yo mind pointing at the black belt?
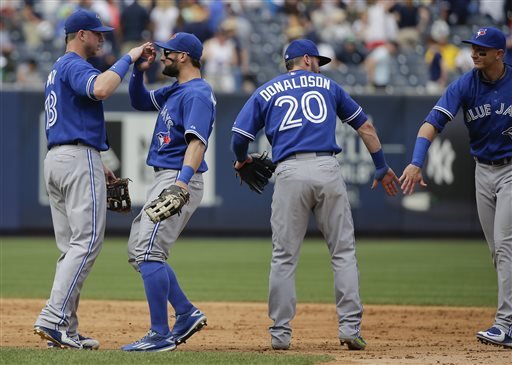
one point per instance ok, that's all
(294, 156)
(159, 168)
(500, 162)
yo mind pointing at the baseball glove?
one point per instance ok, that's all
(256, 173)
(118, 196)
(169, 202)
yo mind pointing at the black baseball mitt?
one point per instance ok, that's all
(169, 202)
(256, 173)
(118, 196)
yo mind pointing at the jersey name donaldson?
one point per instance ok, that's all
(295, 83)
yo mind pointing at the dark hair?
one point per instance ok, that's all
(195, 63)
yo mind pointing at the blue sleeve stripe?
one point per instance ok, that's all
(243, 133)
(191, 131)
(153, 99)
(89, 88)
(353, 116)
(444, 111)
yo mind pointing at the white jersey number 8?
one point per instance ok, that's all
(305, 103)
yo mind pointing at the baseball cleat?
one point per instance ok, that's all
(87, 343)
(187, 324)
(280, 346)
(60, 339)
(357, 343)
(496, 337)
(152, 342)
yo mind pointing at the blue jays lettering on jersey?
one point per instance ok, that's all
(487, 111)
(73, 114)
(295, 120)
(187, 108)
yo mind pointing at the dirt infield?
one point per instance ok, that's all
(395, 334)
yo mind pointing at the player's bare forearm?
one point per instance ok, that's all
(427, 131)
(369, 136)
(193, 157)
(107, 82)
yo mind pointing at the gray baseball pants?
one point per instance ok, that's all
(75, 182)
(151, 242)
(312, 183)
(494, 203)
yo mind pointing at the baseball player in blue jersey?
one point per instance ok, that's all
(485, 96)
(186, 112)
(298, 111)
(74, 173)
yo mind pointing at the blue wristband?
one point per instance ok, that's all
(186, 174)
(122, 66)
(420, 151)
(381, 167)
(378, 159)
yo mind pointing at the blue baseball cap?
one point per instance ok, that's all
(184, 42)
(489, 37)
(85, 20)
(301, 47)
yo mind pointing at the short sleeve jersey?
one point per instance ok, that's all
(298, 110)
(73, 114)
(487, 109)
(183, 110)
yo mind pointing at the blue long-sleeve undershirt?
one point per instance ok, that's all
(139, 96)
(240, 146)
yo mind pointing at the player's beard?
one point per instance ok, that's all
(171, 70)
(93, 50)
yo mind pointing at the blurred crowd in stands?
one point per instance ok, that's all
(377, 45)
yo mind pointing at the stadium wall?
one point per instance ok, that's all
(446, 206)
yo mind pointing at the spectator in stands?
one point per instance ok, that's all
(407, 15)
(194, 18)
(331, 24)
(28, 74)
(438, 73)
(440, 33)
(135, 25)
(378, 24)
(7, 63)
(163, 18)
(508, 55)
(220, 58)
(379, 64)
(351, 52)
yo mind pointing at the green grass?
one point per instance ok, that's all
(440, 272)
(56, 357)
(437, 272)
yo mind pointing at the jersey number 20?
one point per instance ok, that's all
(290, 119)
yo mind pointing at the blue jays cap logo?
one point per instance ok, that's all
(164, 139)
(481, 32)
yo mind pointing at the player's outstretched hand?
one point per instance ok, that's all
(389, 182)
(136, 53)
(410, 177)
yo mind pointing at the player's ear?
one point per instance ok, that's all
(307, 60)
